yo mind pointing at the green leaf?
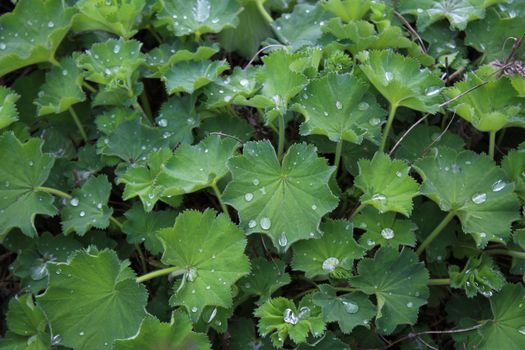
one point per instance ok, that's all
(401, 80)
(89, 207)
(183, 17)
(32, 32)
(114, 16)
(334, 253)
(339, 107)
(153, 335)
(189, 76)
(384, 229)
(266, 277)
(474, 188)
(108, 122)
(284, 201)
(513, 165)
(479, 275)
(142, 227)
(89, 295)
(8, 110)
(193, 168)
(26, 325)
(223, 91)
(142, 181)
(177, 118)
(347, 10)
(210, 250)
(490, 107)
(399, 282)
(23, 168)
(282, 319)
(62, 89)
(348, 310)
(386, 184)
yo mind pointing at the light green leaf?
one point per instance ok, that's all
(62, 89)
(384, 229)
(282, 319)
(23, 167)
(32, 32)
(266, 277)
(8, 110)
(108, 122)
(142, 181)
(339, 107)
(88, 296)
(193, 168)
(402, 81)
(89, 207)
(399, 282)
(115, 16)
(386, 184)
(284, 201)
(184, 17)
(154, 335)
(189, 76)
(177, 118)
(223, 91)
(347, 10)
(513, 165)
(479, 275)
(474, 188)
(334, 253)
(348, 310)
(211, 251)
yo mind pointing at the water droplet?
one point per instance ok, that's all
(31, 163)
(351, 308)
(74, 202)
(378, 197)
(56, 339)
(522, 330)
(330, 264)
(389, 76)
(194, 309)
(252, 223)
(3, 46)
(82, 213)
(39, 272)
(191, 274)
(227, 98)
(433, 90)
(483, 235)
(81, 333)
(363, 106)
(479, 197)
(289, 317)
(255, 182)
(244, 82)
(387, 233)
(116, 49)
(338, 105)
(213, 314)
(410, 304)
(248, 197)
(498, 185)
(303, 311)
(374, 121)
(215, 20)
(265, 223)
(314, 207)
(162, 123)
(50, 24)
(283, 241)
(201, 10)
(370, 242)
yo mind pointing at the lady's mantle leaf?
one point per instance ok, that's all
(349, 310)
(193, 168)
(211, 251)
(88, 296)
(88, 207)
(62, 89)
(189, 76)
(185, 17)
(338, 106)
(285, 201)
(479, 275)
(223, 91)
(266, 277)
(281, 318)
(154, 335)
(333, 253)
(474, 188)
(401, 80)
(8, 110)
(347, 10)
(115, 16)
(32, 32)
(490, 107)
(513, 165)
(384, 229)
(386, 184)
(399, 282)
(23, 167)
(177, 118)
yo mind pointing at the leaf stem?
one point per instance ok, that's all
(391, 115)
(357, 210)
(219, 198)
(513, 253)
(78, 123)
(142, 259)
(137, 107)
(439, 281)
(116, 222)
(436, 232)
(346, 289)
(492, 143)
(53, 191)
(88, 86)
(338, 150)
(146, 105)
(263, 12)
(175, 271)
(280, 146)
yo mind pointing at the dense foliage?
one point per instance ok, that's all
(258, 174)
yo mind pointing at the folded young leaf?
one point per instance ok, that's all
(479, 275)
(513, 165)
(8, 110)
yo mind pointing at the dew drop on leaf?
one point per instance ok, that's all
(255, 182)
(410, 304)
(283, 241)
(498, 185)
(339, 105)
(82, 213)
(252, 223)
(363, 106)
(479, 197)
(213, 314)
(56, 339)
(289, 317)
(74, 202)
(350, 307)
(194, 309)
(522, 330)
(387, 233)
(303, 311)
(248, 197)
(389, 76)
(266, 223)
(330, 264)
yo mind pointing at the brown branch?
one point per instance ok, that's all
(411, 30)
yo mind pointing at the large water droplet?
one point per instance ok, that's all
(289, 317)
(498, 185)
(374, 121)
(283, 241)
(74, 202)
(82, 213)
(304, 311)
(338, 105)
(330, 264)
(522, 330)
(410, 304)
(378, 197)
(479, 197)
(162, 123)
(351, 308)
(3, 46)
(248, 197)
(363, 106)
(191, 274)
(39, 272)
(194, 309)
(433, 90)
(266, 223)
(387, 233)
(213, 314)
(56, 339)
(244, 82)
(389, 76)
(252, 223)
(116, 49)
(255, 182)
(50, 24)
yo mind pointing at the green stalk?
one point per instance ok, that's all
(145, 104)
(439, 282)
(116, 222)
(338, 150)
(391, 115)
(513, 253)
(53, 191)
(492, 143)
(219, 198)
(357, 210)
(280, 147)
(173, 270)
(263, 12)
(436, 232)
(142, 259)
(79, 124)
(89, 87)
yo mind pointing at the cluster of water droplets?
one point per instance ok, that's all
(330, 264)
(291, 318)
